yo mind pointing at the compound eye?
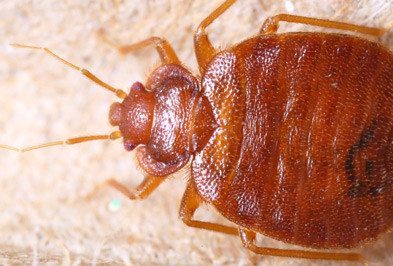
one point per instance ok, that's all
(128, 145)
(137, 86)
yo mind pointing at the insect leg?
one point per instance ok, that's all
(142, 191)
(204, 50)
(189, 204)
(248, 240)
(271, 24)
(164, 49)
(119, 93)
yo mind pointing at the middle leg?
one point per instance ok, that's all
(189, 204)
(204, 50)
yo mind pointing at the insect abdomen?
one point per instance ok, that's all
(313, 165)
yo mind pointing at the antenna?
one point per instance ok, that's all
(112, 136)
(119, 93)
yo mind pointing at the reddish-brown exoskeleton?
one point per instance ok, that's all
(289, 135)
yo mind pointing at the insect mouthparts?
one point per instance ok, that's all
(115, 114)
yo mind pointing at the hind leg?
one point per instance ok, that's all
(271, 24)
(248, 240)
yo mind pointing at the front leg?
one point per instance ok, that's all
(142, 191)
(190, 203)
(164, 49)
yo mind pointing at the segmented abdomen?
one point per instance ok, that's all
(309, 143)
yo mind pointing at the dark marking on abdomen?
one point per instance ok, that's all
(358, 187)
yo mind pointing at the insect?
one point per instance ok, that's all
(288, 135)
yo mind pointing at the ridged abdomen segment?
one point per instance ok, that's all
(216, 163)
(315, 165)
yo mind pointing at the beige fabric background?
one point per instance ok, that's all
(43, 216)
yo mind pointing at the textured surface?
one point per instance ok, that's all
(303, 152)
(43, 215)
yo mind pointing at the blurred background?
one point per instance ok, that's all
(44, 217)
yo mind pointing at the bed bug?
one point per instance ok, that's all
(288, 135)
